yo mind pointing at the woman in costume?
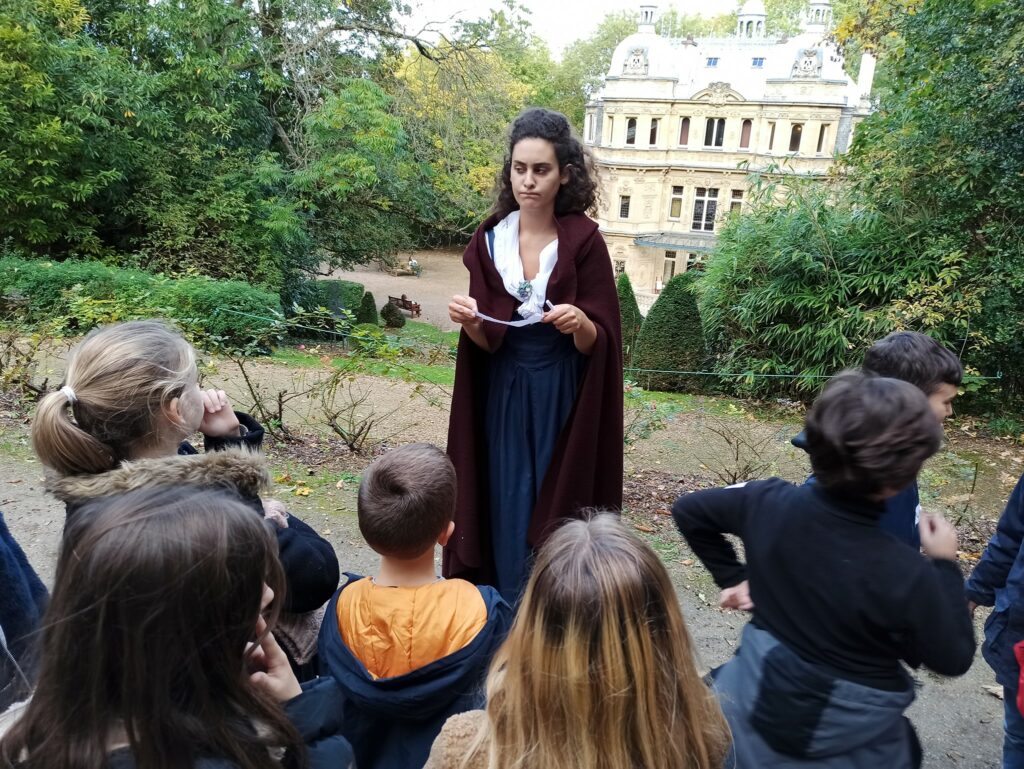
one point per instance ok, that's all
(536, 422)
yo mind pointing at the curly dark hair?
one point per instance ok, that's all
(867, 433)
(580, 193)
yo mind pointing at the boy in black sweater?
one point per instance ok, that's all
(837, 603)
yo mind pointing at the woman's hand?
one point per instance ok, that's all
(269, 669)
(570, 319)
(567, 318)
(462, 310)
(219, 420)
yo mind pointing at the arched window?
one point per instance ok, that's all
(631, 130)
(714, 132)
(684, 132)
(654, 131)
(760, 28)
(795, 134)
(745, 134)
(750, 29)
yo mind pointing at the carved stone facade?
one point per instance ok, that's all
(680, 124)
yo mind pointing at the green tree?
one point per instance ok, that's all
(944, 158)
(671, 337)
(631, 318)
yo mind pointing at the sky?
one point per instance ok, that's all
(558, 22)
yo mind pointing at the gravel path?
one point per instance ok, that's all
(443, 275)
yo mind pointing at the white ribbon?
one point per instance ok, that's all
(515, 323)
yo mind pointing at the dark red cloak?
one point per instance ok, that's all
(586, 468)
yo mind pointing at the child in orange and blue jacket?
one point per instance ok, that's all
(407, 648)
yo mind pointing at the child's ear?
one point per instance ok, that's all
(446, 534)
(171, 412)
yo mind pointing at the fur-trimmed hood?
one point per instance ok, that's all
(244, 471)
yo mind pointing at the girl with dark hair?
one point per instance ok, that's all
(536, 423)
(156, 647)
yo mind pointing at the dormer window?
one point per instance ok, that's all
(712, 61)
(757, 62)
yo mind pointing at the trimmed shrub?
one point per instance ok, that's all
(629, 312)
(80, 295)
(212, 306)
(671, 338)
(335, 295)
(367, 312)
(392, 316)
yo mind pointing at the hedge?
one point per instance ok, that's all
(79, 295)
(671, 338)
(335, 295)
(629, 312)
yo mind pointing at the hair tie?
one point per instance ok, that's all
(69, 394)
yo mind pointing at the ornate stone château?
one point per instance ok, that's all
(680, 124)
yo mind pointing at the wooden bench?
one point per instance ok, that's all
(405, 303)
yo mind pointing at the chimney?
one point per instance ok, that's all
(646, 25)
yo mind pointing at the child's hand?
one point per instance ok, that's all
(736, 597)
(276, 512)
(938, 537)
(219, 420)
(269, 667)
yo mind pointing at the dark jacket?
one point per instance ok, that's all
(23, 599)
(998, 580)
(902, 511)
(786, 713)
(309, 561)
(392, 722)
(831, 586)
(586, 465)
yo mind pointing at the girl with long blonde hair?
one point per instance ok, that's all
(598, 671)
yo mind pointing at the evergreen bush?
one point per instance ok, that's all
(80, 295)
(392, 316)
(335, 295)
(671, 338)
(631, 318)
(367, 312)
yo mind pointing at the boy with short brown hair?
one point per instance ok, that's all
(408, 648)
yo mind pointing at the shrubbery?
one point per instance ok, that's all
(335, 295)
(671, 338)
(367, 312)
(76, 296)
(392, 316)
(631, 318)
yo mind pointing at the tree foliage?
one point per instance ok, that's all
(920, 230)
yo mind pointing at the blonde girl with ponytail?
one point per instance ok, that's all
(131, 398)
(598, 671)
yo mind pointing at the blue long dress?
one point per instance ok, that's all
(533, 380)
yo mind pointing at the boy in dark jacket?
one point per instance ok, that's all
(937, 372)
(408, 648)
(837, 602)
(998, 580)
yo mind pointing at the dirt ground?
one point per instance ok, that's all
(958, 720)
